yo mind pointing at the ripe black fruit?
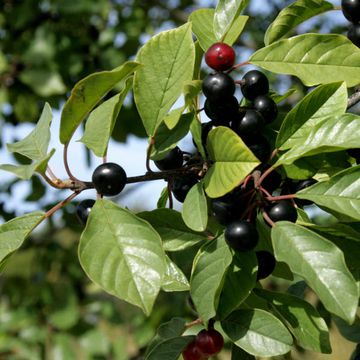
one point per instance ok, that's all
(249, 125)
(109, 179)
(354, 34)
(254, 83)
(172, 160)
(220, 57)
(351, 10)
(266, 107)
(260, 147)
(283, 211)
(83, 210)
(218, 87)
(302, 184)
(266, 264)
(181, 186)
(227, 209)
(241, 235)
(272, 181)
(222, 113)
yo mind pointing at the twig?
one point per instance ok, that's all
(193, 323)
(267, 218)
(66, 164)
(280, 197)
(171, 202)
(61, 204)
(354, 98)
(237, 66)
(51, 173)
(148, 153)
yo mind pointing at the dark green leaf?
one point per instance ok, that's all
(169, 349)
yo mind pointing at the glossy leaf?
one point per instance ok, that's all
(14, 232)
(168, 61)
(194, 211)
(333, 133)
(233, 162)
(314, 58)
(129, 261)
(308, 327)
(87, 93)
(258, 332)
(320, 263)
(174, 278)
(292, 16)
(169, 349)
(176, 236)
(35, 145)
(101, 122)
(325, 100)
(208, 274)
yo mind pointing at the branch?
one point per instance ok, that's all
(354, 98)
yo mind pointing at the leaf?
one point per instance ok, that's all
(170, 349)
(314, 58)
(332, 134)
(325, 100)
(194, 211)
(208, 275)
(100, 124)
(239, 282)
(341, 193)
(320, 263)
(191, 92)
(196, 132)
(174, 279)
(258, 332)
(239, 354)
(225, 14)
(305, 323)
(123, 254)
(292, 16)
(176, 236)
(35, 145)
(349, 332)
(161, 203)
(233, 162)
(14, 232)
(172, 118)
(168, 60)
(87, 93)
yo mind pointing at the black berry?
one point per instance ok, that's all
(83, 210)
(283, 211)
(241, 235)
(209, 342)
(109, 179)
(172, 160)
(222, 113)
(260, 147)
(351, 10)
(302, 184)
(218, 87)
(266, 107)
(266, 264)
(354, 34)
(249, 125)
(253, 84)
(272, 181)
(227, 209)
(220, 57)
(181, 186)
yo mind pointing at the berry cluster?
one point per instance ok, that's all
(207, 343)
(351, 10)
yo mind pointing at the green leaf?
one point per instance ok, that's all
(233, 162)
(14, 232)
(258, 332)
(209, 270)
(194, 211)
(164, 196)
(174, 279)
(331, 134)
(239, 282)
(176, 236)
(320, 263)
(35, 145)
(129, 261)
(314, 58)
(172, 118)
(101, 121)
(292, 16)
(168, 60)
(225, 14)
(349, 332)
(341, 193)
(191, 93)
(325, 100)
(169, 349)
(196, 131)
(305, 323)
(87, 93)
(239, 354)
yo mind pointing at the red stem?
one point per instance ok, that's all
(281, 197)
(267, 218)
(60, 204)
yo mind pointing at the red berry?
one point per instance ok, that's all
(220, 57)
(209, 342)
(191, 352)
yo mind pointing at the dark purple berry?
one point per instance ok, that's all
(191, 352)
(266, 107)
(181, 186)
(109, 179)
(354, 34)
(222, 113)
(209, 342)
(253, 84)
(302, 184)
(249, 125)
(351, 10)
(260, 147)
(220, 57)
(83, 210)
(241, 235)
(283, 211)
(172, 160)
(272, 181)
(227, 209)
(266, 264)
(218, 87)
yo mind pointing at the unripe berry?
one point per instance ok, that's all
(220, 57)
(209, 342)
(109, 179)
(253, 84)
(191, 352)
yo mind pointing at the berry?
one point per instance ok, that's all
(172, 160)
(218, 87)
(222, 113)
(191, 352)
(283, 211)
(254, 83)
(109, 179)
(241, 235)
(266, 107)
(272, 181)
(302, 184)
(83, 210)
(260, 147)
(355, 153)
(354, 34)
(181, 186)
(351, 10)
(266, 264)
(226, 209)
(220, 57)
(209, 342)
(249, 125)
